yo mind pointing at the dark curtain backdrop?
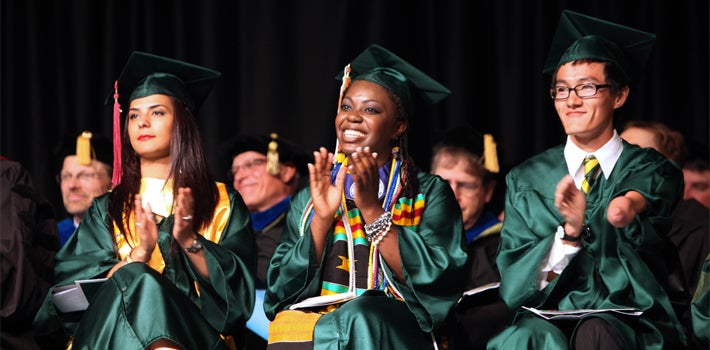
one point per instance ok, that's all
(279, 59)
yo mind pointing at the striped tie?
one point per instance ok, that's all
(591, 169)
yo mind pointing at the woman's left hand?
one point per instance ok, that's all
(365, 173)
(183, 228)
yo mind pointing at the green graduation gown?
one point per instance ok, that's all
(139, 305)
(616, 268)
(433, 261)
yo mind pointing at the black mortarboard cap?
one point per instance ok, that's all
(100, 148)
(288, 151)
(146, 74)
(580, 36)
(380, 66)
(471, 140)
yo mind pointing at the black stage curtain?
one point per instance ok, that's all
(279, 60)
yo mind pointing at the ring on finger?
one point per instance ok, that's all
(187, 217)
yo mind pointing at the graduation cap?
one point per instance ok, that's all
(467, 138)
(380, 66)
(276, 149)
(580, 36)
(146, 74)
(87, 147)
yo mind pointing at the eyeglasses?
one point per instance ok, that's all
(586, 90)
(248, 165)
(82, 176)
(464, 186)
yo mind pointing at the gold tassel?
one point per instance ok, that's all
(490, 154)
(83, 148)
(272, 156)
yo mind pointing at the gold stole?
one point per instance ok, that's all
(211, 232)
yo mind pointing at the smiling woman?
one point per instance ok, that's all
(365, 243)
(174, 245)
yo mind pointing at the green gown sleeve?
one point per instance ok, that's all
(700, 306)
(293, 273)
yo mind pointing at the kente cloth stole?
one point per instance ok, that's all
(591, 170)
(212, 232)
(351, 254)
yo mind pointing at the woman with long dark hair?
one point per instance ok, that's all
(176, 247)
(372, 252)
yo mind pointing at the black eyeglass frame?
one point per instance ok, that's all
(576, 89)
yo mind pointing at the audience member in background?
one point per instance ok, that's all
(468, 161)
(585, 221)
(86, 167)
(175, 246)
(696, 173)
(266, 170)
(656, 135)
(28, 244)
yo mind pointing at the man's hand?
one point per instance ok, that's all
(572, 204)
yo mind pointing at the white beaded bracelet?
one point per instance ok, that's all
(378, 229)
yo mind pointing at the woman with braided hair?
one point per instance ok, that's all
(373, 246)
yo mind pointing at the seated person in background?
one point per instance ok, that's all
(373, 250)
(696, 173)
(266, 171)
(175, 246)
(585, 221)
(85, 173)
(28, 243)
(468, 161)
(656, 135)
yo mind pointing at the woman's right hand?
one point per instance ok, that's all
(147, 231)
(326, 196)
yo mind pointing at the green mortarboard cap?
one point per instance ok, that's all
(380, 66)
(288, 151)
(580, 36)
(145, 74)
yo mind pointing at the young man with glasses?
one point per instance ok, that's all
(82, 177)
(585, 221)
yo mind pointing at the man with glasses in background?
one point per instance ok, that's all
(266, 171)
(468, 161)
(85, 173)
